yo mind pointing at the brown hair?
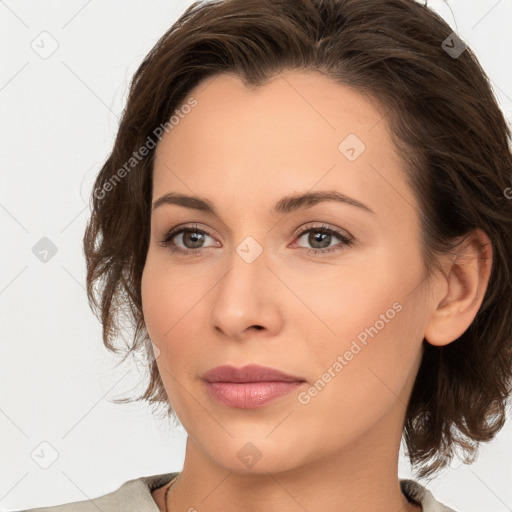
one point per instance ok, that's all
(445, 123)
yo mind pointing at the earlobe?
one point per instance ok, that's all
(463, 288)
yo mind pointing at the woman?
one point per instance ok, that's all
(307, 215)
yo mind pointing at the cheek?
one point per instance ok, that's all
(360, 379)
(174, 304)
(363, 325)
(344, 304)
(169, 296)
(364, 373)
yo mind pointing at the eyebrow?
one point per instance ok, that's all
(285, 205)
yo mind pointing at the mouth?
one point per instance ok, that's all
(249, 373)
(249, 387)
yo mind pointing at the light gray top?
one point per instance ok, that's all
(135, 495)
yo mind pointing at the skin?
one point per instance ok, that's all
(243, 150)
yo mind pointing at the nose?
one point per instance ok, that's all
(247, 299)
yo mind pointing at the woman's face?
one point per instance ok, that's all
(348, 319)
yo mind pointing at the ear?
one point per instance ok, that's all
(460, 292)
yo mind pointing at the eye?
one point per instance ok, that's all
(320, 238)
(191, 238)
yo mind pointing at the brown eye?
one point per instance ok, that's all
(320, 238)
(185, 240)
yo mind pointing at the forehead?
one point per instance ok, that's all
(299, 131)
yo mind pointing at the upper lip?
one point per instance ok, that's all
(249, 373)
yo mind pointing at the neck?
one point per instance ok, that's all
(365, 477)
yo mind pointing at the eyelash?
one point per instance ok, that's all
(346, 241)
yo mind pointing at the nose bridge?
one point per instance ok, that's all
(245, 294)
(247, 272)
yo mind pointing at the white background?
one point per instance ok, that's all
(58, 122)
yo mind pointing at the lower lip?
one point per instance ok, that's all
(249, 395)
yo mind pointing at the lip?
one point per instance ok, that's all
(249, 387)
(249, 373)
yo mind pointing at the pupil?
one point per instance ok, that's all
(317, 237)
(196, 238)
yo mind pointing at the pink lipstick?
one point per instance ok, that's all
(249, 387)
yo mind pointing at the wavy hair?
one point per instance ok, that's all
(445, 124)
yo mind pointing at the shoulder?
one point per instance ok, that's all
(134, 494)
(421, 495)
